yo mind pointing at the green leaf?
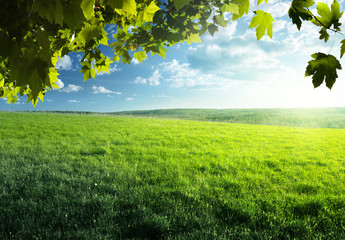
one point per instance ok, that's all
(329, 16)
(324, 34)
(147, 14)
(180, 3)
(44, 42)
(243, 8)
(140, 56)
(53, 77)
(128, 6)
(342, 48)
(35, 84)
(87, 70)
(193, 38)
(116, 58)
(299, 11)
(231, 7)
(219, 19)
(5, 44)
(212, 29)
(263, 22)
(51, 9)
(323, 67)
(73, 15)
(2, 80)
(89, 32)
(87, 7)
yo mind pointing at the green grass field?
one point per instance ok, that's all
(100, 177)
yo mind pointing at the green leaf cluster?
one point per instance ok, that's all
(35, 34)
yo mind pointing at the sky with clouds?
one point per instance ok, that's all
(229, 70)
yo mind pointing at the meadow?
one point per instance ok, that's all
(68, 176)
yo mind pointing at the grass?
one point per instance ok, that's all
(99, 177)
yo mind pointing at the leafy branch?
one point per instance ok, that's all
(327, 27)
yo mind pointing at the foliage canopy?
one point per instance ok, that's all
(35, 34)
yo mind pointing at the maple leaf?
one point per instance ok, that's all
(329, 17)
(299, 10)
(243, 8)
(323, 67)
(148, 13)
(88, 8)
(140, 56)
(262, 21)
(342, 48)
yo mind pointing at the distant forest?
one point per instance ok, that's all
(297, 117)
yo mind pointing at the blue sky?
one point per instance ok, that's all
(229, 70)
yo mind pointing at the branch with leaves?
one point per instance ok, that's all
(35, 34)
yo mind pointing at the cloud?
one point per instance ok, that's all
(154, 80)
(66, 63)
(135, 61)
(60, 83)
(73, 101)
(71, 88)
(279, 25)
(129, 99)
(140, 80)
(111, 69)
(49, 100)
(279, 9)
(100, 89)
(179, 75)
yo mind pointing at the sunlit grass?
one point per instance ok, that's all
(96, 177)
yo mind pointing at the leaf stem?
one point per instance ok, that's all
(336, 31)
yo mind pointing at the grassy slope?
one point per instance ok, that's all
(308, 117)
(96, 177)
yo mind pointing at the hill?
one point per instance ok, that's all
(298, 117)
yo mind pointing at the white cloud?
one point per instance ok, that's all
(111, 69)
(60, 83)
(223, 35)
(71, 88)
(279, 9)
(129, 99)
(154, 80)
(101, 89)
(178, 70)
(140, 80)
(182, 75)
(66, 63)
(49, 100)
(135, 61)
(279, 25)
(73, 101)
